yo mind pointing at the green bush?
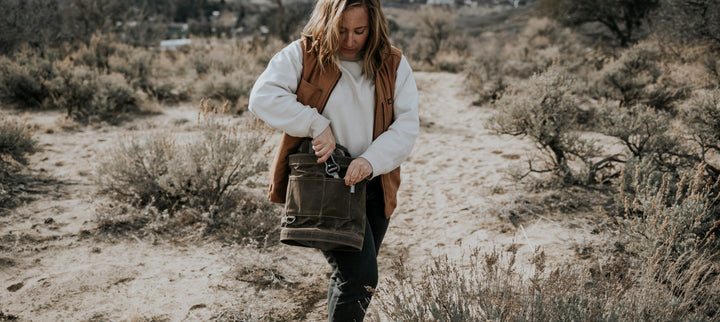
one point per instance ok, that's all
(197, 181)
(434, 29)
(691, 20)
(646, 133)
(221, 59)
(88, 95)
(636, 78)
(152, 72)
(136, 64)
(253, 221)
(711, 62)
(231, 87)
(203, 174)
(621, 17)
(547, 112)
(97, 53)
(23, 79)
(15, 143)
(703, 123)
(484, 70)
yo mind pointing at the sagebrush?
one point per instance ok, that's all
(197, 179)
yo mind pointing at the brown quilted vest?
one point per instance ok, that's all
(314, 90)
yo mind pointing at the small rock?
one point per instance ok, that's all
(7, 317)
(15, 287)
(49, 220)
(96, 250)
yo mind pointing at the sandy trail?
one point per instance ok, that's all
(450, 201)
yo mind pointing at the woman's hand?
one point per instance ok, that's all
(324, 145)
(358, 170)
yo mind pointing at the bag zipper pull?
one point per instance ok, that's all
(352, 189)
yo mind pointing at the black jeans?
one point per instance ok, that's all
(355, 274)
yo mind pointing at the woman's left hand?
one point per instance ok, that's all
(358, 170)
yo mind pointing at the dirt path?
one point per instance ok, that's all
(53, 267)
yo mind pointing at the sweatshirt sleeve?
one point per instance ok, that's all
(273, 97)
(393, 146)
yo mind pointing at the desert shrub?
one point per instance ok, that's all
(172, 78)
(434, 28)
(636, 78)
(230, 87)
(666, 210)
(547, 113)
(646, 133)
(218, 58)
(136, 65)
(88, 95)
(711, 62)
(22, 78)
(96, 54)
(253, 221)
(452, 62)
(491, 287)
(703, 124)
(527, 65)
(541, 43)
(226, 59)
(200, 174)
(672, 223)
(15, 143)
(145, 70)
(534, 50)
(169, 89)
(182, 184)
(691, 20)
(484, 70)
(200, 62)
(50, 23)
(26, 22)
(621, 17)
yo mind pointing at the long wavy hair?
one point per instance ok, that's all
(323, 33)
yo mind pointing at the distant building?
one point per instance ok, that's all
(440, 2)
(174, 43)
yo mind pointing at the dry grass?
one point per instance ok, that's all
(16, 143)
(492, 287)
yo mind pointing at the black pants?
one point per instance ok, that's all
(355, 274)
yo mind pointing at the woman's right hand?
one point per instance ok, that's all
(324, 145)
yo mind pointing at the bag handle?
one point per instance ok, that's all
(306, 147)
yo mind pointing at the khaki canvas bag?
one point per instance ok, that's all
(320, 210)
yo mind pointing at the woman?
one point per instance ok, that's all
(342, 83)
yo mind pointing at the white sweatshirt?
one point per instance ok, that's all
(350, 109)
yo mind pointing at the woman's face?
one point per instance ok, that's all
(354, 30)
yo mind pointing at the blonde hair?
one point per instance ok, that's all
(323, 33)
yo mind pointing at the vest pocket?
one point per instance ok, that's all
(308, 94)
